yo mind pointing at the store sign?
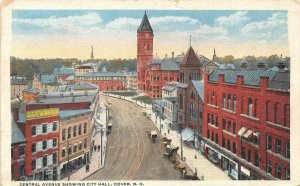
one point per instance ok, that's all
(41, 113)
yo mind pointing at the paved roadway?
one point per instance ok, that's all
(130, 155)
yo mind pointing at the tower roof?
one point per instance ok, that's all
(190, 58)
(145, 25)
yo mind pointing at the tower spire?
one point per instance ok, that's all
(92, 55)
(214, 51)
(214, 56)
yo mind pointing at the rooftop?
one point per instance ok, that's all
(61, 100)
(71, 113)
(166, 63)
(190, 58)
(101, 74)
(81, 86)
(63, 71)
(19, 81)
(48, 79)
(199, 85)
(277, 79)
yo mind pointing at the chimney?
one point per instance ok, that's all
(172, 55)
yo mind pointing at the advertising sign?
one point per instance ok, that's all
(41, 113)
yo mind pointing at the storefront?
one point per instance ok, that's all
(212, 155)
(229, 166)
(49, 173)
(73, 164)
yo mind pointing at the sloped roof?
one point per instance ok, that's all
(19, 81)
(100, 74)
(166, 64)
(31, 90)
(199, 86)
(170, 85)
(63, 71)
(82, 86)
(190, 58)
(145, 25)
(277, 79)
(16, 134)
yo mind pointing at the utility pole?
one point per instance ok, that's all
(160, 122)
(68, 158)
(101, 144)
(181, 150)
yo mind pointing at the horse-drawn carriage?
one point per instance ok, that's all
(152, 135)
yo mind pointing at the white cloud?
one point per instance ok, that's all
(276, 20)
(53, 21)
(173, 19)
(233, 19)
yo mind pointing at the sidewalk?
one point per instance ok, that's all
(204, 167)
(95, 161)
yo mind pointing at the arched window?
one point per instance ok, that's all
(79, 129)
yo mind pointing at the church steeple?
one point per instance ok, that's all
(92, 55)
(145, 25)
(214, 56)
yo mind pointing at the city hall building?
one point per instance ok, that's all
(247, 123)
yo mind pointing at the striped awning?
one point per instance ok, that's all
(256, 134)
(248, 133)
(241, 131)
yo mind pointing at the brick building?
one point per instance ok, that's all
(17, 85)
(169, 96)
(75, 140)
(153, 73)
(40, 129)
(247, 123)
(18, 145)
(106, 81)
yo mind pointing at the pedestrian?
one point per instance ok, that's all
(95, 148)
(98, 148)
(88, 167)
(168, 131)
(162, 126)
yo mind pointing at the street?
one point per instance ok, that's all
(130, 154)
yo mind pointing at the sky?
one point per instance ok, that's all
(113, 33)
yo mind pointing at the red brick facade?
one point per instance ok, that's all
(107, 84)
(17, 162)
(238, 119)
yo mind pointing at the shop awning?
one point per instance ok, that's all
(187, 134)
(248, 133)
(256, 134)
(241, 131)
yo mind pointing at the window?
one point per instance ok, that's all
(228, 126)
(234, 104)
(234, 128)
(287, 149)
(267, 110)
(269, 142)
(256, 163)
(208, 134)
(69, 132)
(80, 146)
(223, 124)
(74, 131)
(22, 169)
(217, 139)
(85, 143)
(54, 126)
(70, 150)
(33, 147)
(212, 136)
(63, 153)
(44, 144)
(45, 161)
(33, 164)
(54, 158)
(286, 114)
(84, 127)
(63, 134)
(223, 142)
(278, 171)
(269, 167)
(243, 152)
(44, 128)
(12, 152)
(22, 150)
(275, 112)
(223, 100)
(278, 146)
(228, 145)
(229, 102)
(54, 142)
(217, 121)
(234, 147)
(212, 119)
(249, 155)
(208, 118)
(250, 106)
(79, 129)
(33, 130)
